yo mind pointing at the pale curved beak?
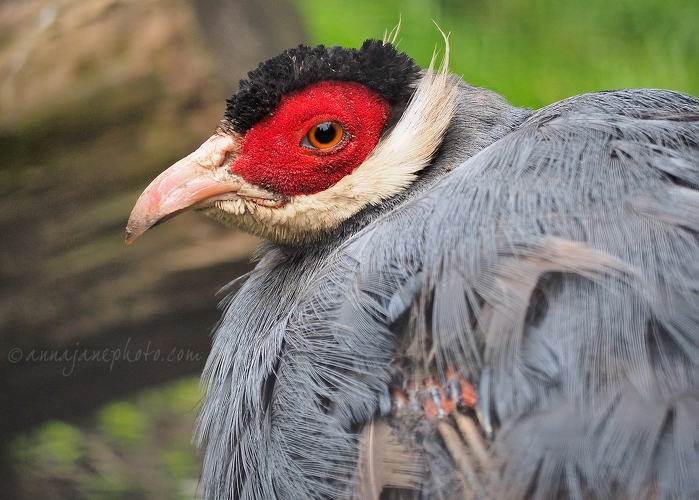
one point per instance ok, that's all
(201, 176)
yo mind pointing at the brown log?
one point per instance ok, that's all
(97, 97)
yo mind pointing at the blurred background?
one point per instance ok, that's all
(101, 344)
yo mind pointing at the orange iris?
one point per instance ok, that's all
(325, 135)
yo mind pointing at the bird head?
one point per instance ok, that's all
(313, 137)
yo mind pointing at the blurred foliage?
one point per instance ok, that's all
(123, 423)
(137, 448)
(55, 448)
(533, 52)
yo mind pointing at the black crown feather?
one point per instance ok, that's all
(377, 65)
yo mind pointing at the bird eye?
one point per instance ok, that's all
(324, 135)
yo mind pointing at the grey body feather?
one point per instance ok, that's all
(551, 258)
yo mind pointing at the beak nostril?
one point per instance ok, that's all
(217, 151)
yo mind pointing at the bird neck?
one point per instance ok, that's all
(482, 117)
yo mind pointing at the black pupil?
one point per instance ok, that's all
(325, 133)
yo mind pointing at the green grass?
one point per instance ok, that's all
(533, 52)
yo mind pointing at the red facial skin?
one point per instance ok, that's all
(272, 156)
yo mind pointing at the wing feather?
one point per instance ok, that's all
(558, 269)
